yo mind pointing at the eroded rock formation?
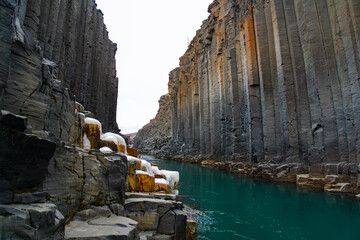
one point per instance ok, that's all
(53, 53)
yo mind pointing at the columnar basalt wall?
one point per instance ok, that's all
(52, 54)
(271, 81)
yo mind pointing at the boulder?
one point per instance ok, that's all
(117, 209)
(146, 220)
(167, 223)
(145, 183)
(85, 215)
(33, 221)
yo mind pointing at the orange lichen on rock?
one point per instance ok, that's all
(131, 178)
(93, 132)
(162, 187)
(145, 183)
(133, 152)
(121, 148)
(109, 144)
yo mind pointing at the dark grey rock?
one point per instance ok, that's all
(13, 121)
(117, 209)
(114, 227)
(85, 215)
(34, 221)
(285, 99)
(27, 198)
(180, 224)
(167, 223)
(24, 159)
(103, 211)
(48, 62)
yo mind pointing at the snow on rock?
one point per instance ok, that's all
(142, 173)
(109, 138)
(105, 150)
(93, 121)
(86, 142)
(155, 170)
(145, 165)
(131, 158)
(161, 181)
(172, 177)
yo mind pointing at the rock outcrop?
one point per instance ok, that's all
(53, 53)
(156, 135)
(271, 81)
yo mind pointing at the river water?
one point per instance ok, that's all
(234, 207)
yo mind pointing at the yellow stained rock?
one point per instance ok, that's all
(109, 144)
(93, 132)
(131, 178)
(162, 187)
(133, 152)
(145, 183)
(121, 148)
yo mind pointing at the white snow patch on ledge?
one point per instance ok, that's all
(105, 150)
(139, 172)
(161, 181)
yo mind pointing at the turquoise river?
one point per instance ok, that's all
(234, 207)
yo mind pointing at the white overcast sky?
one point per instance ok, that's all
(151, 36)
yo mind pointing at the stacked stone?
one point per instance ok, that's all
(271, 81)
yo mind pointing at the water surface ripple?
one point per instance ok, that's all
(234, 207)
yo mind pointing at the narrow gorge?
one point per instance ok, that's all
(267, 88)
(268, 83)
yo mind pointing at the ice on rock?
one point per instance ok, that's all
(106, 150)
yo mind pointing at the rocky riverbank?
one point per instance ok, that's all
(331, 178)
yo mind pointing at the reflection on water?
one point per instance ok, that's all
(235, 207)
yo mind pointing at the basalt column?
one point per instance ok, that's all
(271, 80)
(52, 54)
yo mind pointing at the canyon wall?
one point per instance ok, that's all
(54, 53)
(155, 136)
(271, 81)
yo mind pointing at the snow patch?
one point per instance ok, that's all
(145, 165)
(155, 170)
(171, 176)
(105, 150)
(142, 173)
(86, 143)
(161, 181)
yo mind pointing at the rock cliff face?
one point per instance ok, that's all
(53, 53)
(156, 135)
(271, 81)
